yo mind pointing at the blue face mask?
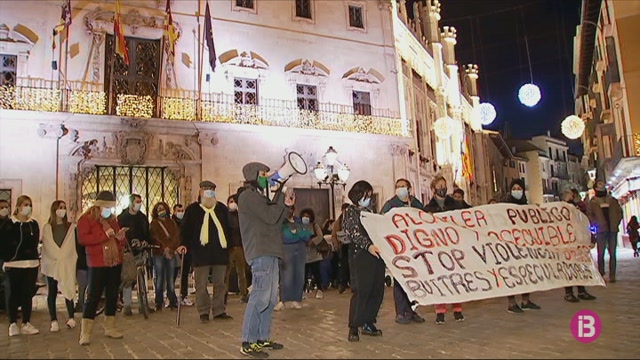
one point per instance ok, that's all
(209, 194)
(106, 213)
(402, 192)
(364, 202)
(306, 220)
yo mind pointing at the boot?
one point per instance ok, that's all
(85, 331)
(110, 328)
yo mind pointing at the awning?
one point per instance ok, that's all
(626, 176)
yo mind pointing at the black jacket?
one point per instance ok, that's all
(434, 207)
(19, 240)
(212, 253)
(235, 237)
(81, 263)
(138, 225)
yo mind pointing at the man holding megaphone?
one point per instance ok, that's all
(260, 219)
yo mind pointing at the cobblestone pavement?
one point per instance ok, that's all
(319, 330)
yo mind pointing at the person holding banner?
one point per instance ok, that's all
(367, 267)
(605, 214)
(441, 202)
(517, 196)
(403, 198)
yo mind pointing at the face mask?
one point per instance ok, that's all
(162, 214)
(233, 207)
(106, 213)
(26, 211)
(442, 192)
(263, 182)
(180, 214)
(517, 194)
(306, 220)
(136, 207)
(601, 193)
(61, 213)
(364, 202)
(4, 212)
(209, 194)
(402, 192)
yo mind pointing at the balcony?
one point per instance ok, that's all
(182, 105)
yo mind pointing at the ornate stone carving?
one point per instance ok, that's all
(132, 148)
(208, 138)
(135, 123)
(398, 149)
(88, 149)
(98, 39)
(134, 19)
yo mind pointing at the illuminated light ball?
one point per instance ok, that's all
(486, 113)
(572, 127)
(444, 127)
(529, 95)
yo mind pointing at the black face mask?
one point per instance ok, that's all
(601, 193)
(441, 192)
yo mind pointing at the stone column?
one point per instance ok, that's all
(431, 21)
(471, 79)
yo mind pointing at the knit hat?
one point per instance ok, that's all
(105, 199)
(517, 181)
(250, 171)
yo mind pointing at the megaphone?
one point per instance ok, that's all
(294, 164)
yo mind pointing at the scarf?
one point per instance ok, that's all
(204, 231)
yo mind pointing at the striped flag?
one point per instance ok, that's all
(118, 32)
(170, 33)
(467, 161)
(208, 35)
(65, 22)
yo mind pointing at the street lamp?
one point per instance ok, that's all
(331, 173)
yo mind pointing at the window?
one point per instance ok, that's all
(550, 154)
(246, 4)
(5, 194)
(557, 154)
(361, 103)
(606, 146)
(8, 70)
(512, 164)
(552, 172)
(356, 17)
(245, 91)
(303, 9)
(307, 97)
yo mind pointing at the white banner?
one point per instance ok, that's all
(484, 252)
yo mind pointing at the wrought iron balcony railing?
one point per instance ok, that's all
(90, 98)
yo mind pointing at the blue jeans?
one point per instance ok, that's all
(607, 241)
(164, 269)
(292, 276)
(262, 300)
(326, 271)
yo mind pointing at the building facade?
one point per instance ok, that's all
(607, 68)
(75, 119)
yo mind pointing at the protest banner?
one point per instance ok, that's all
(484, 252)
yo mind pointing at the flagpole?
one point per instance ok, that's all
(65, 96)
(112, 69)
(200, 54)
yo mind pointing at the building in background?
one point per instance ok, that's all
(607, 69)
(365, 77)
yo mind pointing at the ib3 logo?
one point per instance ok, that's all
(586, 326)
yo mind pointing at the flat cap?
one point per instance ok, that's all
(207, 184)
(251, 170)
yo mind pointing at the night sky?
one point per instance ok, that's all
(491, 33)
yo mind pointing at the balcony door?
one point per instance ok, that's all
(141, 77)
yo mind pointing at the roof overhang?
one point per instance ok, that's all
(588, 27)
(626, 176)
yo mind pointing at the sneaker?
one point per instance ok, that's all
(439, 319)
(29, 329)
(204, 318)
(54, 326)
(14, 330)
(354, 335)
(186, 302)
(71, 324)
(223, 316)
(280, 306)
(403, 319)
(371, 330)
(586, 296)
(127, 311)
(529, 306)
(514, 309)
(571, 298)
(457, 315)
(319, 294)
(417, 318)
(296, 305)
(269, 344)
(253, 350)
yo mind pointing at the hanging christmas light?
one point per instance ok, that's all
(529, 95)
(486, 113)
(572, 127)
(444, 127)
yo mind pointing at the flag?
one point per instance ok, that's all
(65, 22)
(467, 162)
(120, 42)
(208, 34)
(170, 33)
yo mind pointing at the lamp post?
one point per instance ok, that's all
(331, 173)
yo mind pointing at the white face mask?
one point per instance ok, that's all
(4, 212)
(402, 192)
(137, 207)
(233, 207)
(180, 214)
(106, 213)
(61, 213)
(517, 194)
(26, 211)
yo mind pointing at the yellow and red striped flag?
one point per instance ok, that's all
(118, 32)
(170, 33)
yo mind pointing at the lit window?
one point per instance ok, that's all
(356, 17)
(8, 70)
(361, 103)
(303, 9)
(245, 91)
(246, 4)
(307, 97)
